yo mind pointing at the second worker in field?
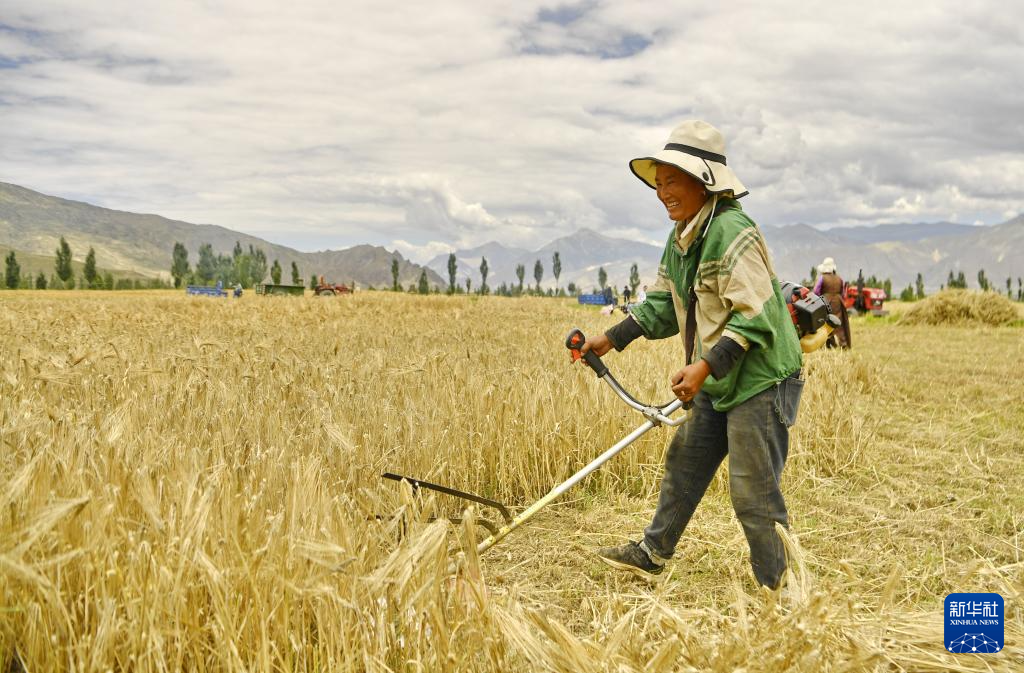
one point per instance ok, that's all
(717, 289)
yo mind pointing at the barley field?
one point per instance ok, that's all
(194, 484)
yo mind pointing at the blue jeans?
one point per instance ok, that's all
(755, 435)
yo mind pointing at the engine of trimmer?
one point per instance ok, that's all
(813, 319)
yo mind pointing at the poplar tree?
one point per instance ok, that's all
(12, 275)
(257, 266)
(206, 267)
(179, 264)
(89, 270)
(452, 267)
(63, 263)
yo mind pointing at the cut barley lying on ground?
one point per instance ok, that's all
(194, 484)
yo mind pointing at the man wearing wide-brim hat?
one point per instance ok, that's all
(717, 289)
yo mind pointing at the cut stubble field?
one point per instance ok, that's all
(194, 484)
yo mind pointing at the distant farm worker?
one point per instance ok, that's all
(717, 289)
(641, 296)
(626, 294)
(832, 288)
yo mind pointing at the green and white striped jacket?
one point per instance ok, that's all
(738, 296)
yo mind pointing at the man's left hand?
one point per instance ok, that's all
(687, 382)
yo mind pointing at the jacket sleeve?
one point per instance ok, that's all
(747, 289)
(656, 315)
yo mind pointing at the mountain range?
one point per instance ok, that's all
(32, 223)
(901, 251)
(895, 251)
(134, 244)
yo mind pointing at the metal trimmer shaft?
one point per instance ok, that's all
(655, 414)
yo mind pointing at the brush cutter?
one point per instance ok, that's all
(655, 414)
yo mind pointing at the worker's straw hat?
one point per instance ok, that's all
(827, 266)
(697, 148)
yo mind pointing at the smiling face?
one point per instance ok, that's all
(682, 194)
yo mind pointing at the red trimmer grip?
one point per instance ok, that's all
(574, 342)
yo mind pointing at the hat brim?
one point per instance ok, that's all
(715, 177)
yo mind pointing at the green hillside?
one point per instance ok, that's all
(32, 264)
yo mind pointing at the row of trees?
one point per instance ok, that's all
(249, 267)
(245, 267)
(915, 291)
(241, 267)
(63, 276)
(423, 285)
(960, 281)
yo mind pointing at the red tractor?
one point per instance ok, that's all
(330, 289)
(863, 299)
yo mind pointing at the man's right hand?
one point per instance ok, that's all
(599, 344)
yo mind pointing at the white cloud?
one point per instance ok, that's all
(340, 123)
(421, 253)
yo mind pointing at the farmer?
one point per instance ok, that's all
(832, 288)
(743, 358)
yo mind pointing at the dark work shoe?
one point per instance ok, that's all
(631, 558)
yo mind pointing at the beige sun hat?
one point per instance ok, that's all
(697, 148)
(827, 266)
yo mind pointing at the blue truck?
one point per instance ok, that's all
(202, 290)
(603, 298)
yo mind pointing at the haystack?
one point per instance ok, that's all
(962, 307)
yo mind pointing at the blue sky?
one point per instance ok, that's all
(328, 124)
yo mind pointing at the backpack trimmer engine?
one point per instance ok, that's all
(813, 319)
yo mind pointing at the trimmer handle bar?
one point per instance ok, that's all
(654, 412)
